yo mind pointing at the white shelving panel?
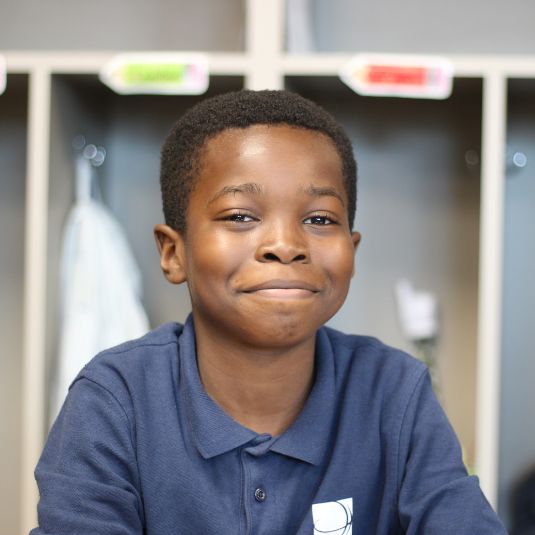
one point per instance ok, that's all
(423, 214)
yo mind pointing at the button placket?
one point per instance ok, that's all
(255, 493)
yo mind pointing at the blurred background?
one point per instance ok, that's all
(446, 196)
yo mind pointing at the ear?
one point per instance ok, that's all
(355, 238)
(170, 245)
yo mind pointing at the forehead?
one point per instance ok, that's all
(276, 149)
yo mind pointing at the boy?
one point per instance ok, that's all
(253, 418)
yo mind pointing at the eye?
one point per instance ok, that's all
(239, 217)
(320, 220)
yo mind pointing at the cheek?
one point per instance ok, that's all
(339, 262)
(215, 260)
(339, 270)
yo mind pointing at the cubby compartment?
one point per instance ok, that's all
(132, 130)
(121, 25)
(13, 136)
(422, 27)
(517, 433)
(418, 207)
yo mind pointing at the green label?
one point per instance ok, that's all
(164, 73)
(143, 73)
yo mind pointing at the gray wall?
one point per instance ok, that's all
(454, 26)
(122, 25)
(517, 443)
(13, 114)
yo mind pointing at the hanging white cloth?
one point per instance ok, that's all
(100, 287)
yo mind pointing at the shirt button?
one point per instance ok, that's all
(259, 494)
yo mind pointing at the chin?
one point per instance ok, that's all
(279, 331)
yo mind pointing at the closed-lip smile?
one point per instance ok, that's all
(283, 288)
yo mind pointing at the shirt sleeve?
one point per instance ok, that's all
(436, 494)
(87, 475)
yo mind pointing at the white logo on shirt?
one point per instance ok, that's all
(334, 518)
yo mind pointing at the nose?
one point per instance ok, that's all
(282, 243)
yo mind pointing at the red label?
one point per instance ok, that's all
(391, 75)
(397, 75)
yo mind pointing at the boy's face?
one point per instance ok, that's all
(268, 254)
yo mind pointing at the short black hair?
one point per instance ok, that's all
(181, 155)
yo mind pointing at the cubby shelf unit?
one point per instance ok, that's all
(51, 95)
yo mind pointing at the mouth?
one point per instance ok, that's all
(283, 289)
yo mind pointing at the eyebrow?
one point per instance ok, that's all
(318, 191)
(250, 188)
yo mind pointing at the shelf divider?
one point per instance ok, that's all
(490, 281)
(33, 365)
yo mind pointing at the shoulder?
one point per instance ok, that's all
(373, 366)
(154, 345)
(124, 368)
(162, 336)
(369, 352)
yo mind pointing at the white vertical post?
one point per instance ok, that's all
(33, 366)
(490, 282)
(264, 43)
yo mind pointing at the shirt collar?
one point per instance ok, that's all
(215, 432)
(308, 438)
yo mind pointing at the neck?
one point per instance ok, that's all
(262, 389)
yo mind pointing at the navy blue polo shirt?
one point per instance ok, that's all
(140, 448)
